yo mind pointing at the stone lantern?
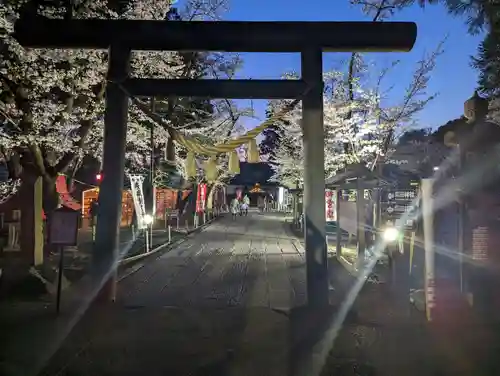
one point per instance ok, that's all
(481, 178)
(479, 181)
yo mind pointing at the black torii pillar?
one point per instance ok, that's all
(314, 178)
(107, 240)
(311, 39)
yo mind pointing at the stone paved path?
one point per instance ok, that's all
(227, 301)
(253, 261)
(211, 306)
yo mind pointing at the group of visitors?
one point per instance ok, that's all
(240, 206)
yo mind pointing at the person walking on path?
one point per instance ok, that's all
(261, 203)
(270, 202)
(93, 210)
(235, 207)
(245, 205)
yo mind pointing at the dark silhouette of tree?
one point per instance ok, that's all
(487, 62)
(455, 125)
(481, 15)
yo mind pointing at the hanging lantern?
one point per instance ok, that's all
(211, 169)
(253, 155)
(234, 163)
(190, 165)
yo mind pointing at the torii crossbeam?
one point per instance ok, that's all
(311, 39)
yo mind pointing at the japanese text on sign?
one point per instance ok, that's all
(480, 243)
(330, 205)
(404, 195)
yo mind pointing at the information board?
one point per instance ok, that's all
(63, 227)
(399, 204)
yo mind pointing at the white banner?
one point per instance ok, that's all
(330, 205)
(138, 198)
(281, 195)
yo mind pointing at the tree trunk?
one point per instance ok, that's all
(170, 150)
(188, 205)
(51, 201)
(31, 224)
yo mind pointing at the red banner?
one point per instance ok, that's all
(330, 205)
(66, 198)
(201, 199)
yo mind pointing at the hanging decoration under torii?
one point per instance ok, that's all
(193, 146)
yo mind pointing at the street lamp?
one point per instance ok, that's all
(390, 234)
(148, 221)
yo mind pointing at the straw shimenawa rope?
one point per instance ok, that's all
(193, 145)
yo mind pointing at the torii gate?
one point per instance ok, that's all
(311, 39)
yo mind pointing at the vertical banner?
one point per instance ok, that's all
(201, 199)
(239, 194)
(330, 205)
(66, 198)
(203, 196)
(429, 247)
(138, 197)
(155, 203)
(281, 195)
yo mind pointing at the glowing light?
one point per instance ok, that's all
(148, 219)
(390, 234)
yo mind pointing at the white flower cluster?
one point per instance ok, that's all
(52, 100)
(358, 127)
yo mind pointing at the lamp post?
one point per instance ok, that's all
(152, 163)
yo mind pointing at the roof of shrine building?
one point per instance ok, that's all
(253, 173)
(391, 175)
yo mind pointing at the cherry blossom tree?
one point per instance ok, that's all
(52, 101)
(359, 119)
(362, 118)
(49, 100)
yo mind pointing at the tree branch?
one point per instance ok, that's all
(83, 132)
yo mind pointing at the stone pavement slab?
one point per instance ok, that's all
(206, 307)
(252, 261)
